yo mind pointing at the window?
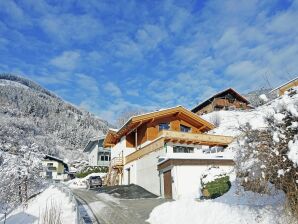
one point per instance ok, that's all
(184, 128)
(164, 126)
(104, 156)
(183, 149)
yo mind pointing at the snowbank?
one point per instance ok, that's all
(237, 206)
(37, 205)
(81, 182)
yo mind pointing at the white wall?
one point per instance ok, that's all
(144, 173)
(120, 147)
(93, 155)
(187, 180)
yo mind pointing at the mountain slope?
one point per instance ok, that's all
(31, 115)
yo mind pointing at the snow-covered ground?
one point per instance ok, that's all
(81, 182)
(235, 207)
(51, 197)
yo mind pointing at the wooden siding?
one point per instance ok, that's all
(150, 130)
(222, 103)
(284, 88)
(193, 162)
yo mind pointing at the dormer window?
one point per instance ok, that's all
(184, 128)
(163, 126)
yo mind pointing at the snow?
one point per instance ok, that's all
(81, 182)
(236, 206)
(36, 207)
(213, 173)
(293, 151)
(263, 97)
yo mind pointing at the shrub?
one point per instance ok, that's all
(88, 170)
(217, 187)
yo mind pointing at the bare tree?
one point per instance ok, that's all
(127, 114)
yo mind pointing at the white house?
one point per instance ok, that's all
(166, 152)
(54, 168)
(97, 154)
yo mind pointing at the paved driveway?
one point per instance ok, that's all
(111, 210)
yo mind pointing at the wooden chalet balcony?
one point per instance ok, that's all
(180, 137)
(197, 139)
(117, 162)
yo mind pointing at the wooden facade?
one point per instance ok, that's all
(283, 88)
(228, 99)
(145, 127)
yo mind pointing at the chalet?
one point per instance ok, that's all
(165, 152)
(97, 154)
(54, 168)
(280, 90)
(225, 100)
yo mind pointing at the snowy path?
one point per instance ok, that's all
(108, 209)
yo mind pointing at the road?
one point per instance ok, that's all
(111, 210)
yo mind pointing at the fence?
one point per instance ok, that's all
(68, 192)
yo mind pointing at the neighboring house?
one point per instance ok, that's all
(97, 154)
(228, 99)
(280, 90)
(165, 152)
(54, 168)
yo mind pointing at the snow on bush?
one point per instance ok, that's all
(269, 155)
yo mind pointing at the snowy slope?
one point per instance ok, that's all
(34, 122)
(37, 206)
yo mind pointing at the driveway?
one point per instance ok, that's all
(110, 210)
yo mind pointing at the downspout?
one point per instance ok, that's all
(136, 138)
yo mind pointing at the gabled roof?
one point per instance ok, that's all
(113, 136)
(282, 85)
(209, 100)
(92, 142)
(49, 157)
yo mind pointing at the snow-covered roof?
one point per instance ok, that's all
(284, 84)
(49, 157)
(92, 141)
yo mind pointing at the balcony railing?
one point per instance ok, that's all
(181, 137)
(117, 162)
(153, 146)
(191, 138)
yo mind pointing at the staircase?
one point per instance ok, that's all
(115, 170)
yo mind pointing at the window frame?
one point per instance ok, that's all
(186, 127)
(164, 123)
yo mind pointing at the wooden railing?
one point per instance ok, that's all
(153, 146)
(207, 139)
(182, 137)
(116, 162)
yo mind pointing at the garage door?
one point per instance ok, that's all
(167, 177)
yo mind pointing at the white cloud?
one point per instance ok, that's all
(150, 36)
(68, 60)
(113, 89)
(69, 27)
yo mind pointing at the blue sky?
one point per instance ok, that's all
(112, 56)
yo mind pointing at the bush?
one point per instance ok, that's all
(88, 170)
(263, 157)
(217, 187)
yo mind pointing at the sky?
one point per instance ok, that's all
(121, 55)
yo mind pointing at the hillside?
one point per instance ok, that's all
(31, 115)
(34, 122)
